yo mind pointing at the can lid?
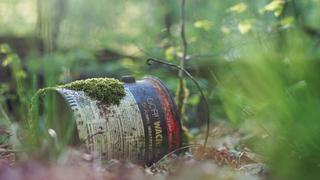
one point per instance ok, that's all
(128, 79)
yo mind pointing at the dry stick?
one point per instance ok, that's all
(196, 83)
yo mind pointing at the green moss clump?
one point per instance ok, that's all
(108, 90)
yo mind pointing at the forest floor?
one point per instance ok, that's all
(225, 157)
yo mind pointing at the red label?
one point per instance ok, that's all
(173, 125)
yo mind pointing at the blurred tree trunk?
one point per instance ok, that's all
(50, 15)
(169, 15)
(59, 14)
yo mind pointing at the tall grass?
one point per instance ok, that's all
(45, 127)
(277, 90)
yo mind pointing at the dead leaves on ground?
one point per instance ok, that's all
(219, 161)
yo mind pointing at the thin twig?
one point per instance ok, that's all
(183, 36)
(196, 83)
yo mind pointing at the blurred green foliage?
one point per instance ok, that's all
(257, 61)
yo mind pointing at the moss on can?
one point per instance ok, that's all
(108, 90)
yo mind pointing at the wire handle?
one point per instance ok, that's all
(151, 60)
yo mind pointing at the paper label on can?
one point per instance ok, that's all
(143, 127)
(109, 130)
(153, 119)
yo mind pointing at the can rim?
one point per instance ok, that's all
(157, 80)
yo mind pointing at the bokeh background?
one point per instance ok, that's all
(257, 62)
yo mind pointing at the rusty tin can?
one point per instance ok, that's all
(143, 127)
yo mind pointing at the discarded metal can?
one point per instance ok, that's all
(143, 127)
